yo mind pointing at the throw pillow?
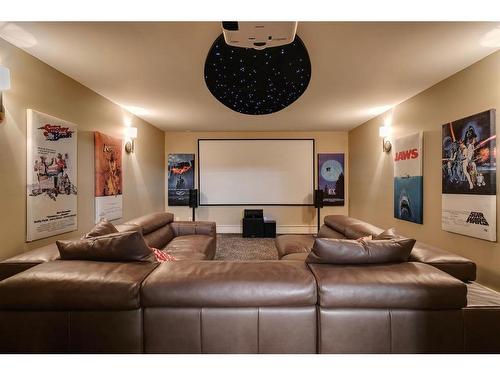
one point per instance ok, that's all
(341, 251)
(162, 256)
(388, 234)
(102, 228)
(115, 247)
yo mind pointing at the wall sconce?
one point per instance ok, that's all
(4, 85)
(383, 133)
(130, 135)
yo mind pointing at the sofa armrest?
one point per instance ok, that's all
(184, 228)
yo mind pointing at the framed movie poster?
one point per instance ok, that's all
(108, 177)
(180, 178)
(331, 178)
(51, 177)
(469, 176)
(408, 178)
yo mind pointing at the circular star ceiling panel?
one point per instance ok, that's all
(257, 82)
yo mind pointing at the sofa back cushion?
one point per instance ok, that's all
(152, 222)
(160, 237)
(339, 251)
(350, 227)
(115, 247)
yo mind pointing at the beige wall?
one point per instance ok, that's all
(37, 86)
(472, 90)
(228, 219)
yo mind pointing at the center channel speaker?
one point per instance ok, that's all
(193, 198)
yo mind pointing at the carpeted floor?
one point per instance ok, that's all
(235, 247)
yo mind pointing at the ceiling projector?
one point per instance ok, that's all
(258, 35)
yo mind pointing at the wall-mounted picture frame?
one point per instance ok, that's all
(180, 178)
(408, 178)
(469, 202)
(108, 177)
(51, 179)
(331, 178)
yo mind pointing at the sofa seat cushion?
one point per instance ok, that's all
(293, 243)
(455, 265)
(229, 284)
(75, 285)
(296, 256)
(398, 286)
(199, 246)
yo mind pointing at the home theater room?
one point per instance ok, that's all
(294, 189)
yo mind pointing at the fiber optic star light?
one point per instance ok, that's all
(257, 82)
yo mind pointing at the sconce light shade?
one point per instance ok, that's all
(383, 131)
(131, 132)
(4, 78)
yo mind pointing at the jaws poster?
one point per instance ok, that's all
(108, 177)
(408, 178)
(469, 176)
(51, 178)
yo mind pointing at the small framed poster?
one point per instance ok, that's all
(180, 178)
(408, 178)
(331, 176)
(108, 177)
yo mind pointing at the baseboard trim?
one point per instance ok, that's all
(280, 229)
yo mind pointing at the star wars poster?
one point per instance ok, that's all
(408, 178)
(108, 177)
(331, 178)
(51, 177)
(180, 178)
(469, 176)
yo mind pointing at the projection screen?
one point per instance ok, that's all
(256, 172)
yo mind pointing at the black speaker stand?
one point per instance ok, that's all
(319, 218)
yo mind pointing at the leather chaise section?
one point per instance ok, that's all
(453, 264)
(24, 261)
(401, 285)
(196, 247)
(99, 331)
(75, 285)
(224, 284)
(482, 320)
(383, 331)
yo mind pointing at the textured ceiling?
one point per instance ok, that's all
(358, 70)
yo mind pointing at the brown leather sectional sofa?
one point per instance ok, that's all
(199, 306)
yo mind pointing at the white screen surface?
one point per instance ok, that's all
(254, 171)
